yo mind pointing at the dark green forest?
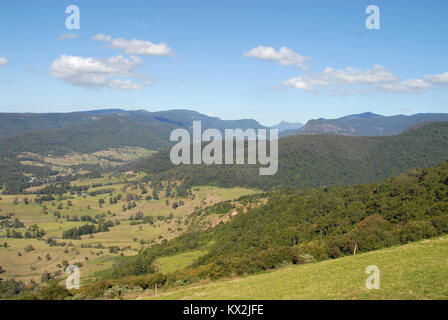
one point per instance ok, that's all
(308, 161)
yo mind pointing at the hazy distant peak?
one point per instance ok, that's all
(368, 124)
(364, 115)
(285, 125)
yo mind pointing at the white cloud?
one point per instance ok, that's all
(336, 79)
(437, 78)
(136, 47)
(351, 80)
(96, 73)
(123, 85)
(305, 83)
(67, 36)
(3, 61)
(378, 74)
(284, 56)
(343, 81)
(406, 86)
(102, 37)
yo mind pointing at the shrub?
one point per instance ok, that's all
(54, 292)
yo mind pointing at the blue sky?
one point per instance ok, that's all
(209, 61)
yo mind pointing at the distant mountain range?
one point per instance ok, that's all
(90, 131)
(366, 124)
(309, 159)
(284, 125)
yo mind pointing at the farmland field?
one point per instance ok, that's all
(98, 251)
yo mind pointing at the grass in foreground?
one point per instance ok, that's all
(414, 271)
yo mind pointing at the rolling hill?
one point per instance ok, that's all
(307, 161)
(303, 226)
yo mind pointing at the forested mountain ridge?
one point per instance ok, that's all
(109, 131)
(307, 161)
(18, 123)
(366, 124)
(59, 134)
(91, 131)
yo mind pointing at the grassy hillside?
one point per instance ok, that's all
(213, 234)
(301, 226)
(413, 271)
(177, 262)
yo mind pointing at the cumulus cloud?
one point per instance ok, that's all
(343, 81)
(3, 61)
(102, 37)
(351, 80)
(135, 47)
(406, 86)
(96, 73)
(284, 56)
(67, 36)
(437, 78)
(337, 78)
(305, 83)
(123, 85)
(378, 74)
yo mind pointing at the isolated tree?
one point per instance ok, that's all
(46, 276)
